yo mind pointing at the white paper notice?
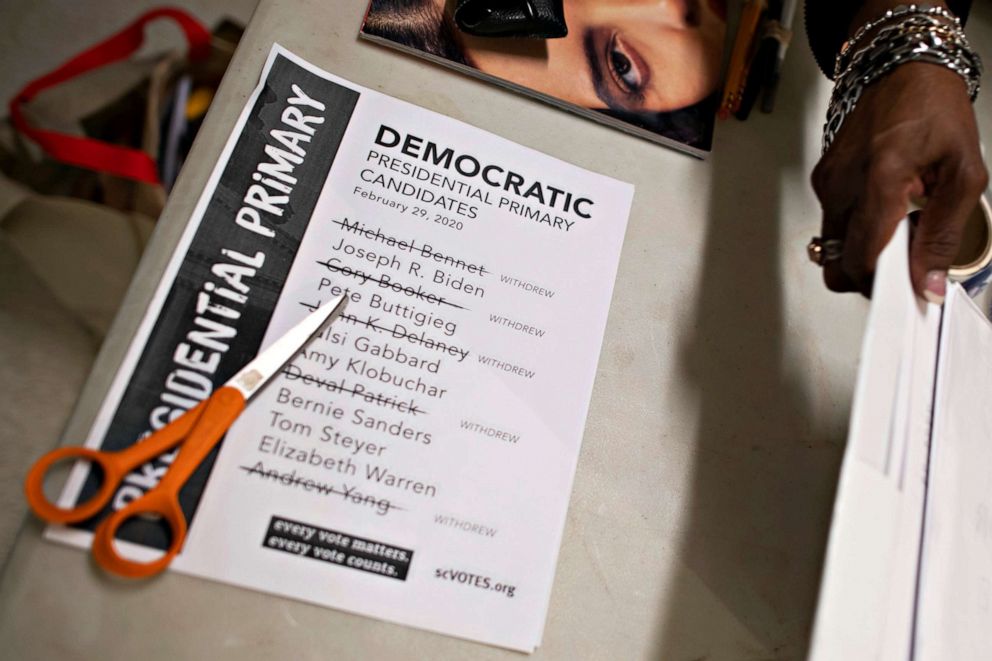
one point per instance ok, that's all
(414, 463)
(908, 571)
(956, 585)
(867, 598)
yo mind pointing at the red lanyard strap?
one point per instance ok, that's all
(95, 154)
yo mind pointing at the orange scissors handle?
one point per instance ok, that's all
(219, 412)
(199, 430)
(114, 467)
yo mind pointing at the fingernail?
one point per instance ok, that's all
(935, 286)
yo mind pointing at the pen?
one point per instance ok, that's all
(739, 58)
(783, 37)
(760, 69)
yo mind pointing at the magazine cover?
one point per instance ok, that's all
(652, 69)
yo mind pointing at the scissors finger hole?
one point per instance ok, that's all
(144, 556)
(143, 538)
(60, 475)
(67, 485)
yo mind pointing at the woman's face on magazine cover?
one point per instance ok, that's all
(633, 55)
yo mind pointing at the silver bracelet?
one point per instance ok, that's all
(929, 11)
(943, 46)
(909, 24)
(914, 38)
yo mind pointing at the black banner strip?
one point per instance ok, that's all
(222, 299)
(338, 548)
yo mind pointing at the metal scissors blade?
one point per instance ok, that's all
(250, 379)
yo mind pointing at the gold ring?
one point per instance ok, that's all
(820, 250)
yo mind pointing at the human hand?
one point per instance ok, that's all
(912, 135)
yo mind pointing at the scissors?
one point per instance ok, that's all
(196, 432)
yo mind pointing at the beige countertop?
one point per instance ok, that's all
(703, 494)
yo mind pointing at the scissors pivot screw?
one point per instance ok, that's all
(250, 379)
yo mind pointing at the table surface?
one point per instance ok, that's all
(703, 494)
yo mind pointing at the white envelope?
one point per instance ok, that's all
(909, 560)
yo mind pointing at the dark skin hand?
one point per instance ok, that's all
(912, 135)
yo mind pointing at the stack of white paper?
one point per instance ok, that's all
(910, 556)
